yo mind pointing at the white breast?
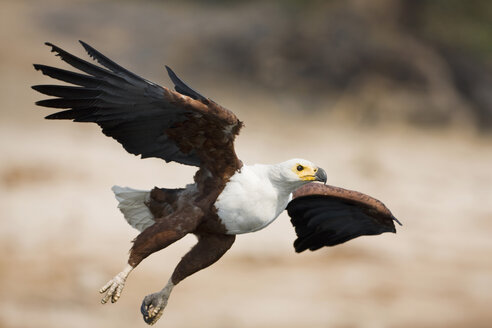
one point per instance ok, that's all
(249, 201)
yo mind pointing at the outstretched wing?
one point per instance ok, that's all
(324, 215)
(147, 119)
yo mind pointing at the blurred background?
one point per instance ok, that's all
(392, 97)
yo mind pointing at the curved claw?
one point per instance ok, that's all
(153, 306)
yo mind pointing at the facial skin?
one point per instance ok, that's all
(294, 173)
(308, 172)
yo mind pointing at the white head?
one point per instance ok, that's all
(294, 173)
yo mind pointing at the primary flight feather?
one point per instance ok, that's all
(226, 197)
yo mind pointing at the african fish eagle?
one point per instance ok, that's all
(226, 198)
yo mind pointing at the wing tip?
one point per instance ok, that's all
(183, 88)
(39, 103)
(59, 51)
(298, 249)
(171, 73)
(87, 47)
(45, 69)
(53, 116)
(90, 50)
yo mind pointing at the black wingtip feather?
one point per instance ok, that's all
(57, 50)
(90, 50)
(63, 115)
(182, 88)
(69, 76)
(49, 44)
(85, 45)
(69, 92)
(77, 115)
(111, 65)
(67, 103)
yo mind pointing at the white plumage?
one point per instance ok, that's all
(132, 205)
(254, 197)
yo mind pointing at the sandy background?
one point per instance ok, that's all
(62, 237)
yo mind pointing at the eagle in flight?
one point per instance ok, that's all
(226, 197)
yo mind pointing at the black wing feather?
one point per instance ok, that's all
(68, 76)
(127, 107)
(111, 65)
(67, 92)
(182, 88)
(70, 103)
(322, 220)
(86, 67)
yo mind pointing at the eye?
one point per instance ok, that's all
(300, 168)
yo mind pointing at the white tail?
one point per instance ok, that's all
(132, 205)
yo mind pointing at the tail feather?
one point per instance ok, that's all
(132, 205)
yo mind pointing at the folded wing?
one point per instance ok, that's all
(147, 119)
(324, 215)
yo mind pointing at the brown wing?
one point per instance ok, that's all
(324, 215)
(147, 119)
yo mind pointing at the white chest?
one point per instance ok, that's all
(249, 202)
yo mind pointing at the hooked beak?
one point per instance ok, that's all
(320, 175)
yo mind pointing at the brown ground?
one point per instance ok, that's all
(62, 236)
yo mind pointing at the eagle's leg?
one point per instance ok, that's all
(156, 237)
(208, 249)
